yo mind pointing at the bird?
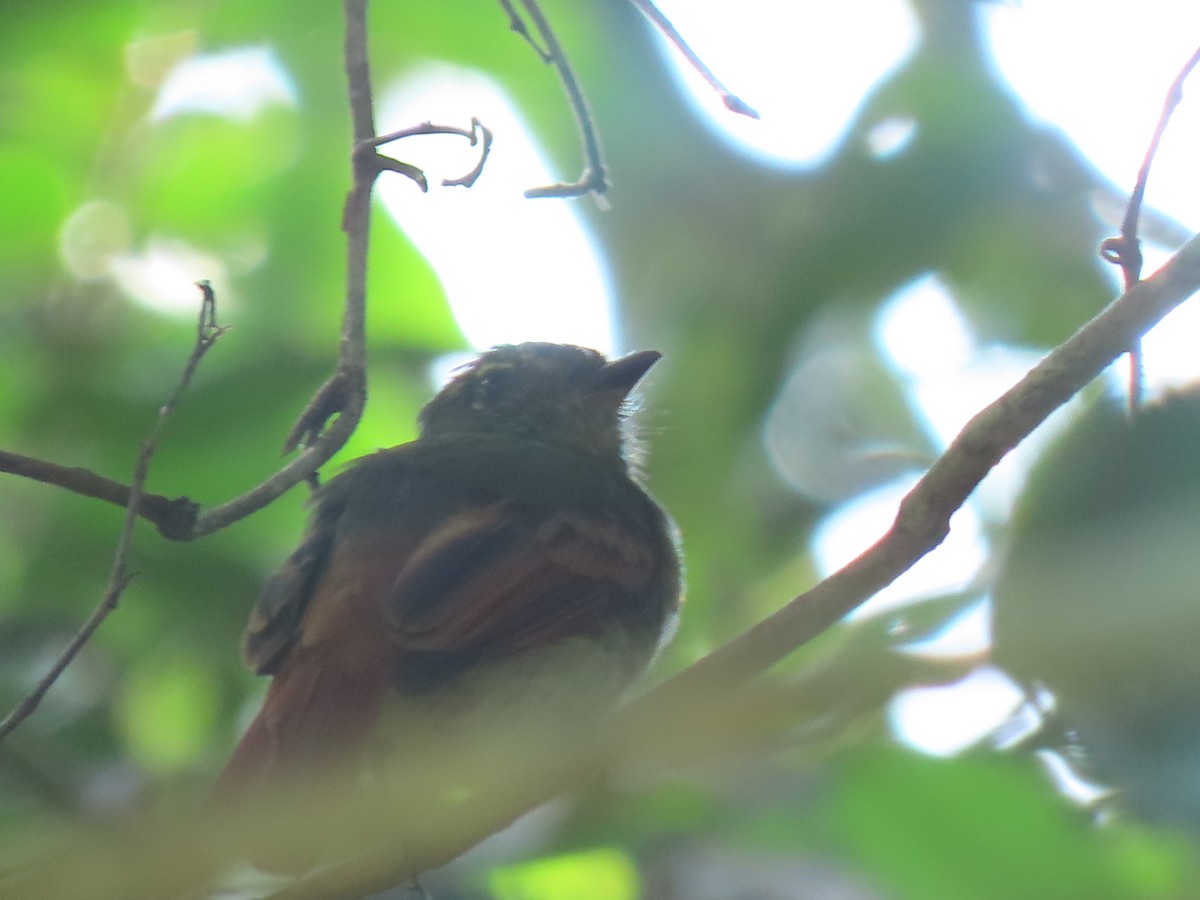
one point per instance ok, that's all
(506, 565)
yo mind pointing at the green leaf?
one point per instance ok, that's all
(166, 710)
(605, 874)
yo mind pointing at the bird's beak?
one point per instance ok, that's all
(620, 375)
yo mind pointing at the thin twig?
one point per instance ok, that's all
(207, 332)
(173, 517)
(1126, 251)
(517, 25)
(482, 135)
(478, 133)
(732, 102)
(593, 180)
(344, 394)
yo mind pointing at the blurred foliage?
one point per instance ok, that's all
(739, 272)
(1097, 599)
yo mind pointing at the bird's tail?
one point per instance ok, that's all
(308, 736)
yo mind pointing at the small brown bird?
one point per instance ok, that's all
(508, 550)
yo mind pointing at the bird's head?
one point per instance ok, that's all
(555, 394)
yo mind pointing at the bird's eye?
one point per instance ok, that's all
(491, 386)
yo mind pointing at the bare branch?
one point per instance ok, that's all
(732, 102)
(1125, 251)
(685, 704)
(344, 394)
(594, 180)
(358, 71)
(173, 518)
(118, 581)
(207, 332)
(484, 139)
(373, 164)
(408, 170)
(517, 25)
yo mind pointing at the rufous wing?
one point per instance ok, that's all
(499, 579)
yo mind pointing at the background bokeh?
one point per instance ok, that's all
(829, 317)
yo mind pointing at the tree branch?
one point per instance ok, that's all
(174, 518)
(732, 101)
(684, 703)
(345, 393)
(517, 26)
(207, 332)
(594, 179)
(414, 829)
(923, 520)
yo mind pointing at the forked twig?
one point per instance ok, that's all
(594, 180)
(207, 332)
(478, 134)
(1126, 250)
(517, 25)
(485, 141)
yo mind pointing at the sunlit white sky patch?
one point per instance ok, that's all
(922, 332)
(163, 276)
(96, 241)
(235, 83)
(949, 378)
(947, 719)
(513, 269)
(1099, 71)
(804, 66)
(967, 633)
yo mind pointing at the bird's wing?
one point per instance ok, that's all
(497, 579)
(275, 621)
(319, 628)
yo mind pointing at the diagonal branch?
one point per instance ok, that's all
(923, 520)
(517, 26)
(173, 517)
(732, 101)
(677, 706)
(1125, 251)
